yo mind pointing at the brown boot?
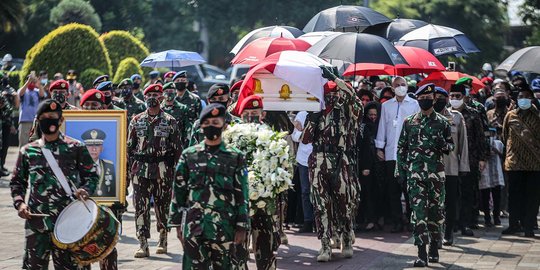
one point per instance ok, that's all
(162, 244)
(143, 251)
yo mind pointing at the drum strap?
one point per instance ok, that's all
(55, 168)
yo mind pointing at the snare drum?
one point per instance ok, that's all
(89, 235)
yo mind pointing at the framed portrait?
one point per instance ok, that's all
(104, 133)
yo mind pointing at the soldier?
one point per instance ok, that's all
(210, 202)
(332, 192)
(106, 187)
(133, 105)
(179, 111)
(154, 78)
(92, 99)
(167, 77)
(235, 91)
(10, 101)
(455, 164)
(425, 137)
(153, 146)
(478, 154)
(137, 80)
(100, 79)
(107, 90)
(219, 94)
(192, 101)
(46, 197)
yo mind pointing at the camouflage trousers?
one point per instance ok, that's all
(332, 193)
(202, 253)
(266, 240)
(143, 190)
(427, 195)
(39, 247)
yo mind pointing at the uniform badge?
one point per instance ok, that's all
(53, 106)
(63, 85)
(157, 87)
(93, 134)
(98, 95)
(215, 112)
(255, 103)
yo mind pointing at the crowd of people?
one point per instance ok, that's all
(450, 155)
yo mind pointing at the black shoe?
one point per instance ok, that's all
(488, 223)
(306, 228)
(510, 230)
(397, 228)
(496, 221)
(466, 231)
(474, 226)
(4, 173)
(433, 252)
(448, 241)
(529, 234)
(422, 260)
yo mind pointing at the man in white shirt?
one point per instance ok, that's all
(393, 113)
(302, 155)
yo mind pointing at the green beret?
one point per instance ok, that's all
(464, 80)
(169, 85)
(125, 82)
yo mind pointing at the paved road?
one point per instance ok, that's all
(375, 250)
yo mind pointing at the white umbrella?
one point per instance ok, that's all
(270, 31)
(314, 37)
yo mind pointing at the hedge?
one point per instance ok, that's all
(126, 68)
(88, 76)
(121, 45)
(72, 46)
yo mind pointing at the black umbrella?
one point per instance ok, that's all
(269, 31)
(345, 19)
(399, 27)
(358, 48)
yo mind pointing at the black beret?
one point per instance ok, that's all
(426, 89)
(48, 105)
(212, 110)
(217, 89)
(105, 86)
(100, 79)
(93, 136)
(180, 74)
(458, 88)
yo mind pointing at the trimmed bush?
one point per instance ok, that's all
(126, 68)
(15, 79)
(121, 45)
(72, 46)
(88, 76)
(78, 11)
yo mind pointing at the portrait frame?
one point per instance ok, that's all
(114, 124)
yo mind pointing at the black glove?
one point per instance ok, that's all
(327, 73)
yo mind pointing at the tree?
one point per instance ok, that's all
(79, 11)
(121, 44)
(530, 10)
(11, 15)
(126, 68)
(129, 15)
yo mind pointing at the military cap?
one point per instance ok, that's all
(135, 77)
(59, 85)
(236, 85)
(212, 110)
(169, 85)
(125, 82)
(169, 74)
(250, 103)
(218, 89)
(180, 74)
(153, 88)
(154, 74)
(535, 85)
(92, 95)
(93, 136)
(426, 89)
(330, 87)
(440, 90)
(48, 105)
(105, 86)
(100, 79)
(464, 80)
(458, 88)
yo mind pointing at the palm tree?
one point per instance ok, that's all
(11, 15)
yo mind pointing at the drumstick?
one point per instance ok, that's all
(74, 191)
(39, 215)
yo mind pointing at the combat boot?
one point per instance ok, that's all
(422, 260)
(283, 238)
(346, 248)
(162, 244)
(325, 252)
(336, 241)
(143, 251)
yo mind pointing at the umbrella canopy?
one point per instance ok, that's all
(314, 37)
(525, 60)
(358, 48)
(445, 79)
(399, 27)
(269, 31)
(172, 58)
(259, 49)
(419, 61)
(345, 19)
(439, 40)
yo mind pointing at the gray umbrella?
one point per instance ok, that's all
(345, 19)
(525, 60)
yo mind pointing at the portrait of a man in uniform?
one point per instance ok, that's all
(93, 138)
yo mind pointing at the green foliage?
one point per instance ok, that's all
(15, 79)
(11, 15)
(395, 8)
(73, 46)
(530, 10)
(534, 38)
(126, 68)
(75, 11)
(88, 76)
(128, 15)
(121, 44)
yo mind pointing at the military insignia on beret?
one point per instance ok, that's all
(429, 89)
(255, 103)
(93, 134)
(220, 92)
(215, 112)
(53, 106)
(125, 82)
(98, 95)
(63, 85)
(156, 88)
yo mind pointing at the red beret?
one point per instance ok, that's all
(59, 85)
(93, 95)
(236, 85)
(487, 80)
(153, 88)
(169, 74)
(251, 102)
(330, 87)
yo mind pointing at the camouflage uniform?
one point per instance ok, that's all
(133, 106)
(212, 190)
(196, 133)
(180, 112)
(46, 195)
(139, 95)
(422, 143)
(7, 93)
(193, 102)
(153, 146)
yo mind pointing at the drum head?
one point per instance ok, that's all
(75, 221)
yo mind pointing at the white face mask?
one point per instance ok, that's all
(401, 91)
(456, 103)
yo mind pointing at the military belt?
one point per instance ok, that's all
(327, 149)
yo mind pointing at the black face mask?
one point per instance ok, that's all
(501, 103)
(5, 81)
(425, 104)
(60, 97)
(71, 81)
(170, 96)
(252, 119)
(180, 86)
(440, 104)
(212, 133)
(152, 102)
(126, 92)
(49, 126)
(108, 100)
(136, 85)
